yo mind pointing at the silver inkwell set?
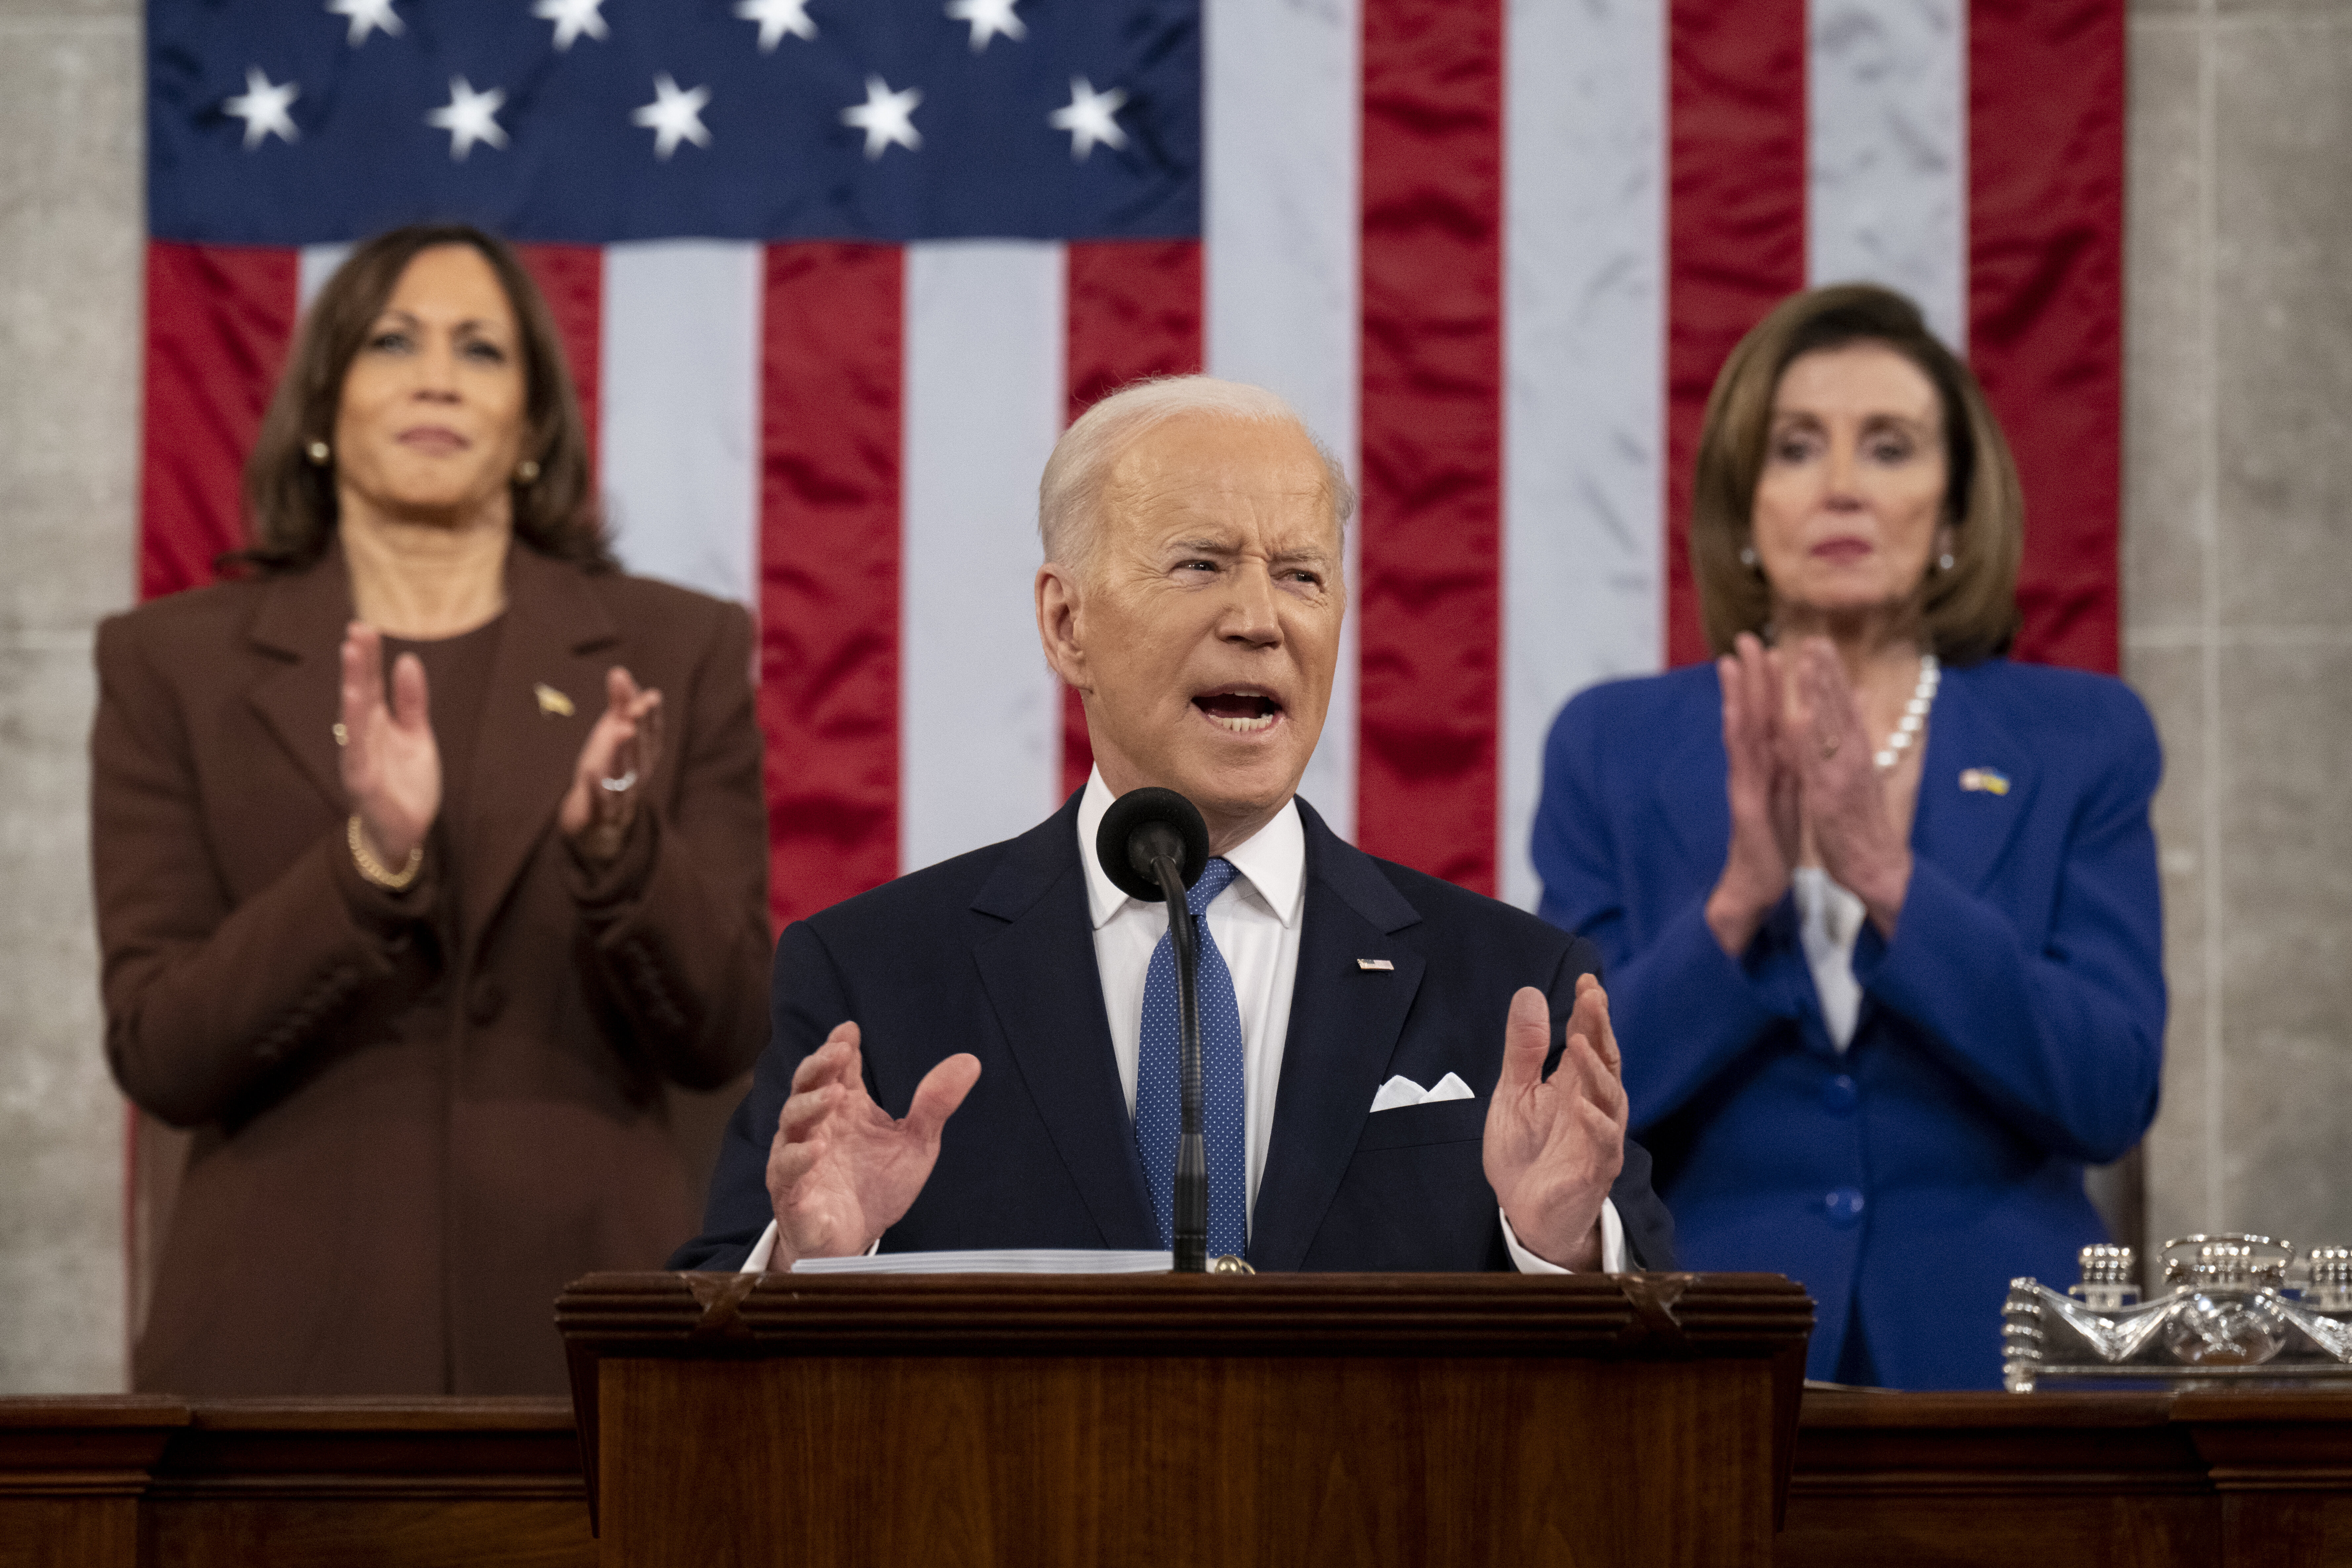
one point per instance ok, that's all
(2237, 1310)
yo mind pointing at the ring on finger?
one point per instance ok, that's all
(622, 785)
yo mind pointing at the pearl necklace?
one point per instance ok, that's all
(1915, 714)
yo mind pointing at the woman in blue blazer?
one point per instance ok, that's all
(1879, 907)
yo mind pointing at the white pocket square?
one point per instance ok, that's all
(1400, 1091)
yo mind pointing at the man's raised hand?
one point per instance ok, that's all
(840, 1172)
(1555, 1145)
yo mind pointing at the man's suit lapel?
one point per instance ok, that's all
(299, 625)
(558, 635)
(1040, 978)
(1345, 1021)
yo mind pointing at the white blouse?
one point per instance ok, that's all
(1831, 919)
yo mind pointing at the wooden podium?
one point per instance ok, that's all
(1319, 1419)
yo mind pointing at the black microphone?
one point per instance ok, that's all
(1154, 844)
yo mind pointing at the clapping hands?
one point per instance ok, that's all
(615, 764)
(1801, 774)
(391, 766)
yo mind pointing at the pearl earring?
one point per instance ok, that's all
(318, 452)
(1747, 557)
(1946, 562)
(526, 471)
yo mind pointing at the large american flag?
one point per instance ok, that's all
(833, 274)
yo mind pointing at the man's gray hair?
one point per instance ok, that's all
(1069, 496)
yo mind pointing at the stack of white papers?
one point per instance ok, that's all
(1009, 1260)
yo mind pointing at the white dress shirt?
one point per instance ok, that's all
(1255, 924)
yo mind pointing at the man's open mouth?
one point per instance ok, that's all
(1244, 712)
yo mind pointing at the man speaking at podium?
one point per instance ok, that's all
(1398, 1074)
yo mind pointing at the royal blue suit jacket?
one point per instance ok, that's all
(2011, 1032)
(992, 952)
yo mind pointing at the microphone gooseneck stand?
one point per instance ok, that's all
(1191, 1226)
(1153, 844)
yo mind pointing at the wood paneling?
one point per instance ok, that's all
(154, 1481)
(1084, 1459)
(1161, 1418)
(1362, 1455)
(72, 1472)
(2238, 1476)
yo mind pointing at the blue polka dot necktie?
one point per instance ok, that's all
(1157, 1093)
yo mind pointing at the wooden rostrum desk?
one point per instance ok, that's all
(1913, 1479)
(1195, 1419)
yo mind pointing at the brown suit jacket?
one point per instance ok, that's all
(401, 1154)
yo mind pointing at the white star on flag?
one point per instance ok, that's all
(469, 117)
(988, 18)
(1088, 118)
(571, 18)
(674, 116)
(366, 16)
(777, 18)
(263, 109)
(884, 117)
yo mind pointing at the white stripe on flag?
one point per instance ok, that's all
(1583, 348)
(1278, 260)
(1887, 152)
(315, 264)
(679, 408)
(980, 711)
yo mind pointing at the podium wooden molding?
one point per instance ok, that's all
(151, 1481)
(1204, 1419)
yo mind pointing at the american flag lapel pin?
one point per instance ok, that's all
(1377, 965)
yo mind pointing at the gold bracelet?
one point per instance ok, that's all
(374, 870)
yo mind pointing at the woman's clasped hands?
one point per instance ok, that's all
(1802, 789)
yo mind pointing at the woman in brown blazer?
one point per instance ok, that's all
(415, 957)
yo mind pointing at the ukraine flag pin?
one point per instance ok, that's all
(1985, 779)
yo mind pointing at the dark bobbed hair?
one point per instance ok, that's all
(1970, 611)
(289, 502)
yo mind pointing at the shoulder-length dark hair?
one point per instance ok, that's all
(289, 500)
(1970, 611)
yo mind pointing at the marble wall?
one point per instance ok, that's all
(2238, 582)
(2238, 594)
(69, 314)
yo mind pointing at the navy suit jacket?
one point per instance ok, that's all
(2011, 1031)
(992, 952)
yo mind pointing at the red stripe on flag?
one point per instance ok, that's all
(1432, 418)
(1134, 310)
(219, 321)
(572, 277)
(831, 370)
(1735, 228)
(2045, 297)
